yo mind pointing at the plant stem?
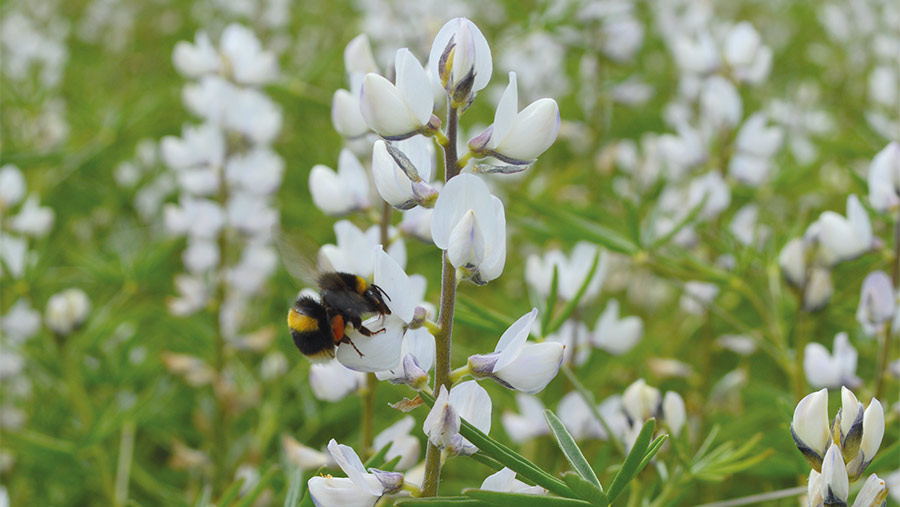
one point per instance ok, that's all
(443, 339)
(799, 353)
(219, 451)
(367, 422)
(123, 468)
(760, 498)
(885, 335)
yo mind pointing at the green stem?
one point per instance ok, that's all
(799, 353)
(443, 339)
(592, 405)
(220, 444)
(885, 335)
(123, 468)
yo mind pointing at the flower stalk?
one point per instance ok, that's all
(443, 338)
(885, 335)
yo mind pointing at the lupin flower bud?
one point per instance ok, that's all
(641, 402)
(872, 433)
(850, 420)
(402, 172)
(398, 111)
(341, 192)
(809, 427)
(792, 260)
(67, 310)
(515, 364)
(468, 401)
(835, 484)
(876, 303)
(884, 178)
(846, 238)
(461, 61)
(516, 137)
(819, 289)
(873, 493)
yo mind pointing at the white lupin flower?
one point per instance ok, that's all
(466, 400)
(792, 260)
(814, 489)
(810, 427)
(873, 493)
(258, 171)
(518, 137)
(846, 238)
(21, 321)
(571, 271)
(712, 187)
(200, 256)
(851, 418)
(348, 121)
(831, 370)
(819, 289)
(401, 111)
(401, 443)
(883, 82)
(614, 335)
(577, 417)
(197, 59)
(67, 310)
(199, 218)
(529, 423)
(245, 57)
(743, 345)
(505, 481)
(746, 55)
(360, 488)
(515, 364)
(332, 381)
(13, 251)
(254, 115)
(250, 213)
(876, 302)
(755, 145)
(641, 401)
(12, 186)
(393, 184)
(698, 55)
(258, 262)
(32, 219)
(721, 102)
(355, 249)
(835, 484)
(697, 296)
(358, 57)
(460, 60)
(743, 225)
(872, 434)
(575, 336)
(341, 192)
(470, 224)
(884, 178)
(674, 412)
(192, 295)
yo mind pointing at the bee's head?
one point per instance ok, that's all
(376, 294)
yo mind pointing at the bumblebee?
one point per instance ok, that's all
(318, 327)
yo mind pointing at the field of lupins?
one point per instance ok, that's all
(601, 252)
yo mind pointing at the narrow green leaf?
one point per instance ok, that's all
(551, 301)
(231, 492)
(390, 465)
(295, 490)
(507, 457)
(522, 500)
(588, 229)
(377, 460)
(259, 488)
(307, 500)
(630, 467)
(487, 461)
(585, 489)
(687, 220)
(570, 449)
(570, 307)
(634, 222)
(447, 501)
(651, 451)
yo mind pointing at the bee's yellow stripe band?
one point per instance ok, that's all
(361, 284)
(301, 323)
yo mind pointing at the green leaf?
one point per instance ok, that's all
(652, 450)
(691, 216)
(630, 468)
(551, 301)
(570, 449)
(377, 460)
(390, 465)
(487, 461)
(507, 457)
(522, 500)
(259, 488)
(295, 490)
(231, 492)
(570, 307)
(585, 489)
(448, 501)
(588, 229)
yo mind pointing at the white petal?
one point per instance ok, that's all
(819, 367)
(413, 85)
(495, 247)
(674, 412)
(533, 131)
(513, 339)
(461, 194)
(379, 352)
(536, 365)
(395, 283)
(835, 483)
(340, 492)
(384, 108)
(358, 57)
(345, 115)
(473, 404)
(420, 343)
(873, 429)
(350, 463)
(467, 242)
(507, 109)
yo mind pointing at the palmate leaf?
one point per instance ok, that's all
(570, 449)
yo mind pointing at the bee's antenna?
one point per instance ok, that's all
(380, 290)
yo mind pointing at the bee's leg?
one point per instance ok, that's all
(348, 340)
(363, 330)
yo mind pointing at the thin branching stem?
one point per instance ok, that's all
(443, 338)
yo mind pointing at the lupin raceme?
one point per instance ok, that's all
(461, 61)
(855, 433)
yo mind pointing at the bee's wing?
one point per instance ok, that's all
(299, 263)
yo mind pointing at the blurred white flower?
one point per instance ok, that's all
(192, 295)
(358, 57)
(755, 146)
(831, 370)
(332, 381)
(883, 84)
(460, 59)
(529, 423)
(515, 364)
(614, 335)
(792, 260)
(575, 336)
(712, 187)
(518, 137)
(819, 289)
(401, 111)
(254, 115)
(258, 262)
(505, 481)
(21, 321)
(306, 458)
(748, 59)
(846, 238)
(743, 345)
(67, 310)
(466, 400)
(876, 302)
(12, 186)
(720, 102)
(240, 56)
(401, 443)
(32, 219)
(698, 55)
(348, 121)
(469, 223)
(258, 171)
(697, 296)
(197, 59)
(198, 218)
(416, 222)
(252, 214)
(571, 271)
(673, 411)
(641, 401)
(341, 192)
(884, 178)
(13, 251)
(200, 256)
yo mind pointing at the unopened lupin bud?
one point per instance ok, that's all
(835, 484)
(809, 427)
(873, 493)
(850, 420)
(461, 61)
(398, 111)
(67, 310)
